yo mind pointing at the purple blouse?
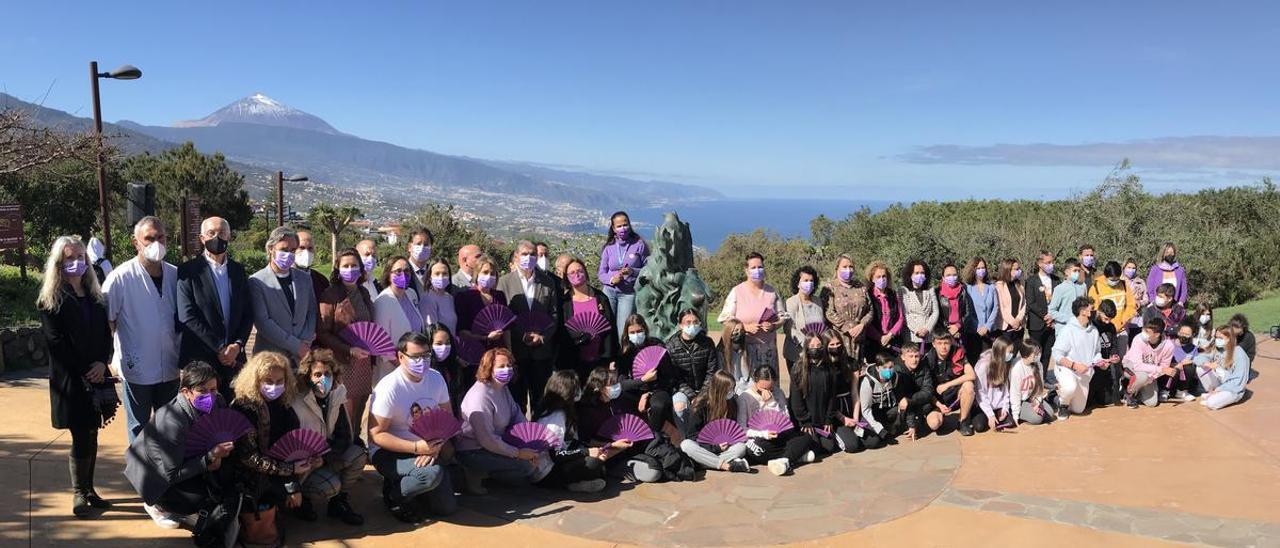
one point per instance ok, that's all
(633, 252)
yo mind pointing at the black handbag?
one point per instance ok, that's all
(104, 398)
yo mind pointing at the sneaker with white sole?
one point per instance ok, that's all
(1164, 396)
(779, 467)
(809, 456)
(589, 486)
(739, 465)
(1183, 396)
(163, 520)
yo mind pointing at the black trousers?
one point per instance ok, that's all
(1044, 338)
(531, 381)
(660, 410)
(573, 471)
(791, 444)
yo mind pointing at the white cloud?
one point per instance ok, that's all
(1170, 153)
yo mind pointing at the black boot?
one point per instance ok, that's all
(80, 506)
(92, 495)
(304, 511)
(340, 507)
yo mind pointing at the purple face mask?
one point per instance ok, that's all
(622, 232)
(881, 283)
(74, 267)
(503, 376)
(1088, 260)
(756, 274)
(204, 402)
(440, 282)
(283, 260)
(1016, 274)
(272, 391)
(1130, 273)
(527, 262)
(577, 278)
(418, 366)
(806, 287)
(369, 263)
(951, 280)
(918, 280)
(349, 274)
(1048, 269)
(400, 279)
(485, 281)
(981, 273)
(845, 275)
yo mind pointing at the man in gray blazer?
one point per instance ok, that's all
(530, 289)
(284, 301)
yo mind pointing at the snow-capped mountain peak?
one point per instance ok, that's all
(262, 110)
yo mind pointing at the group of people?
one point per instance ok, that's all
(867, 364)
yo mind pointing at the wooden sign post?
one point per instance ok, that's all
(12, 235)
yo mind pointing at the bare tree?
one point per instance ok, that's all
(25, 144)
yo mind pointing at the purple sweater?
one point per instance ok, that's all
(633, 252)
(1155, 277)
(990, 398)
(488, 410)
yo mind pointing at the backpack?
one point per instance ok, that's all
(662, 455)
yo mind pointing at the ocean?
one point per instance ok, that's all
(711, 221)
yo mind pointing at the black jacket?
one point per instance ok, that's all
(78, 334)
(817, 406)
(916, 386)
(688, 364)
(202, 329)
(944, 307)
(1037, 303)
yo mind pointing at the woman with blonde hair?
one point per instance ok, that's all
(74, 318)
(264, 388)
(469, 302)
(848, 307)
(321, 407)
(1223, 371)
(761, 310)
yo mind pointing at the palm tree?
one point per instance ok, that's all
(335, 219)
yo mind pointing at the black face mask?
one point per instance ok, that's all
(1184, 340)
(815, 354)
(739, 337)
(1170, 258)
(216, 246)
(835, 351)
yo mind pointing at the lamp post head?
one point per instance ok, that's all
(124, 72)
(297, 178)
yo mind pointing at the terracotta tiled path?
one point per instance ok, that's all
(1119, 477)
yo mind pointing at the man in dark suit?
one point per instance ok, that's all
(213, 314)
(530, 289)
(1039, 291)
(419, 254)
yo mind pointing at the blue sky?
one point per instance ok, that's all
(858, 100)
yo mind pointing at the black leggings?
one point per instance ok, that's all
(842, 439)
(791, 444)
(660, 410)
(893, 421)
(84, 443)
(573, 471)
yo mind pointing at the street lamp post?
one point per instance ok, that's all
(280, 179)
(124, 72)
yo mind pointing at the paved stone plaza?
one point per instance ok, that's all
(1119, 477)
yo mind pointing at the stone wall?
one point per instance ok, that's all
(23, 348)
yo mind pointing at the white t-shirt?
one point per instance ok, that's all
(402, 400)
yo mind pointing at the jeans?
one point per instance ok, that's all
(140, 400)
(339, 473)
(403, 479)
(623, 305)
(710, 459)
(511, 471)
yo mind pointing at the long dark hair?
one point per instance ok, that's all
(714, 401)
(599, 379)
(802, 365)
(335, 277)
(610, 238)
(560, 395)
(633, 320)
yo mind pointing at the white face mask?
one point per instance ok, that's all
(303, 258)
(1161, 301)
(542, 262)
(154, 252)
(636, 338)
(1205, 319)
(1220, 343)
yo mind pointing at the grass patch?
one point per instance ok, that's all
(1263, 312)
(18, 298)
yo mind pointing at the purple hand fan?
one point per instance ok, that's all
(371, 337)
(535, 321)
(219, 426)
(470, 351)
(625, 427)
(721, 431)
(825, 431)
(814, 329)
(769, 315)
(298, 445)
(436, 425)
(531, 435)
(770, 421)
(494, 317)
(592, 323)
(647, 360)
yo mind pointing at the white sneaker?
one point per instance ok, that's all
(779, 467)
(808, 457)
(589, 486)
(1164, 396)
(1183, 396)
(162, 519)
